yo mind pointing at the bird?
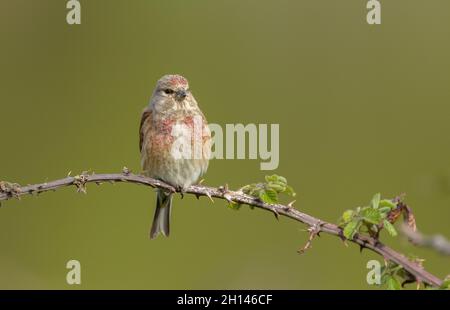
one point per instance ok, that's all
(175, 143)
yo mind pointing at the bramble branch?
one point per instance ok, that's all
(435, 242)
(316, 226)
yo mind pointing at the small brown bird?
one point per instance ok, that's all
(175, 143)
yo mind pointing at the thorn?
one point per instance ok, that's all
(226, 193)
(290, 205)
(80, 182)
(276, 214)
(70, 172)
(209, 196)
(227, 197)
(201, 181)
(361, 248)
(126, 171)
(224, 188)
(197, 196)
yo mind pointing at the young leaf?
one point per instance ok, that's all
(281, 179)
(387, 203)
(392, 283)
(445, 285)
(249, 189)
(347, 216)
(233, 205)
(276, 187)
(268, 191)
(384, 210)
(290, 191)
(273, 195)
(270, 178)
(372, 216)
(375, 201)
(276, 179)
(268, 196)
(351, 228)
(390, 228)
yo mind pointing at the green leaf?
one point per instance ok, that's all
(276, 179)
(375, 202)
(351, 228)
(278, 187)
(268, 196)
(281, 179)
(290, 191)
(392, 283)
(372, 216)
(347, 216)
(250, 189)
(234, 205)
(445, 285)
(390, 228)
(268, 191)
(387, 203)
(273, 195)
(270, 178)
(384, 210)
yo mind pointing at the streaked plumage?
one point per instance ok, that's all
(172, 104)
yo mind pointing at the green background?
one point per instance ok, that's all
(362, 109)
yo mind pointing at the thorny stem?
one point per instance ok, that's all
(317, 226)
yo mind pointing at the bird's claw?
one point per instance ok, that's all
(181, 190)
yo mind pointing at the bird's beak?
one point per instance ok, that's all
(180, 95)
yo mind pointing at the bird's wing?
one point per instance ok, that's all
(145, 126)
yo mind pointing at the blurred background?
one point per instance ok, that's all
(362, 109)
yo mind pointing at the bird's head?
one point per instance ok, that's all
(172, 93)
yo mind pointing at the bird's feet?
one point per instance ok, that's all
(181, 190)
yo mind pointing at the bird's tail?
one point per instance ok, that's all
(161, 220)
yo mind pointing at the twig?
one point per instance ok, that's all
(237, 197)
(314, 231)
(436, 242)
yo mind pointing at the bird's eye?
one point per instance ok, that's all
(168, 91)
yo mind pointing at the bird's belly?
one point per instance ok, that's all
(177, 172)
